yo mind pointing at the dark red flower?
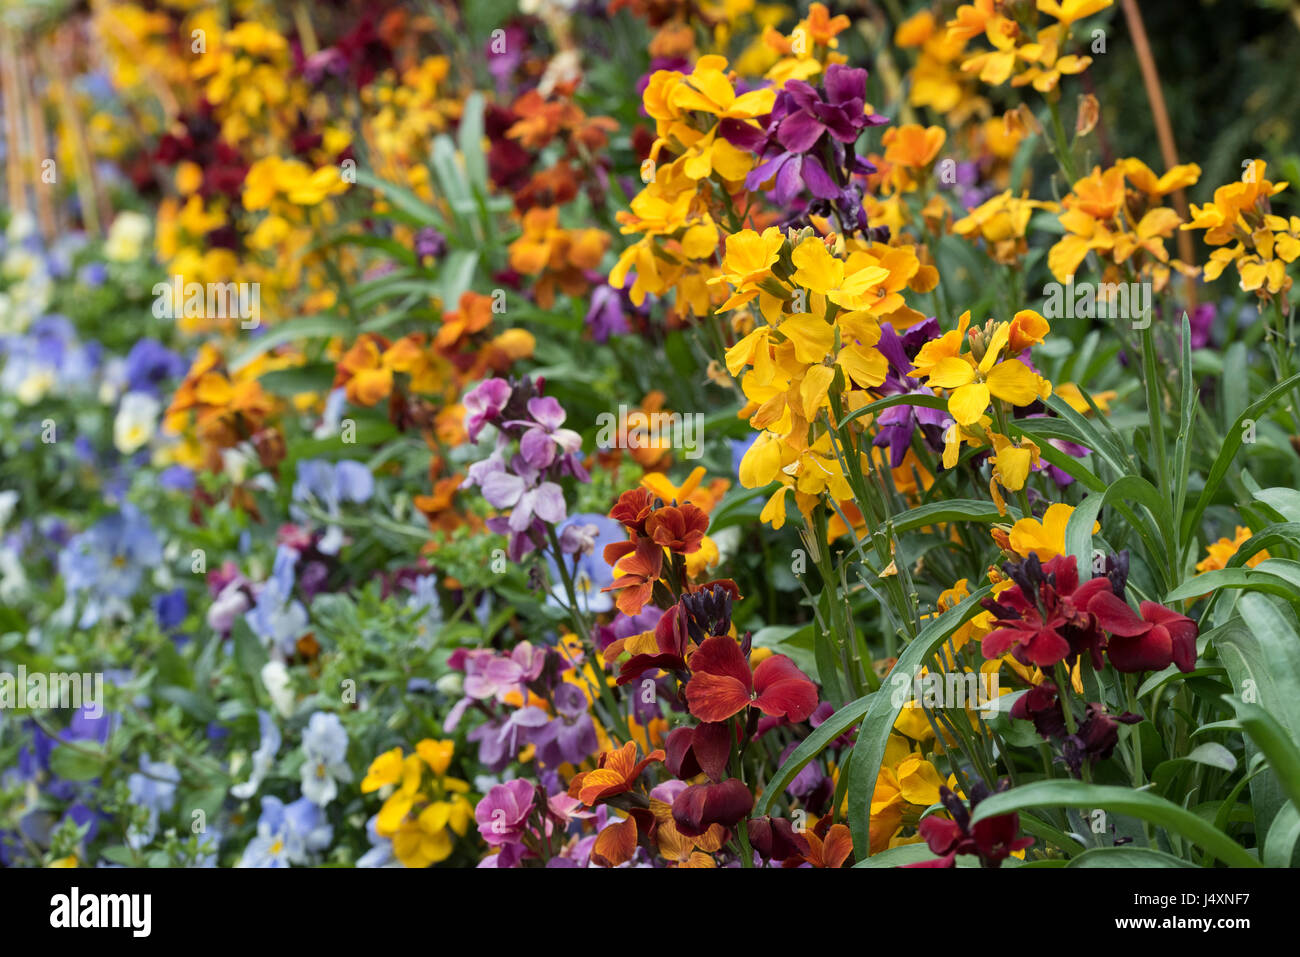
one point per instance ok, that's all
(993, 839)
(700, 806)
(1045, 618)
(1149, 642)
(673, 640)
(775, 839)
(1096, 737)
(1041, 705)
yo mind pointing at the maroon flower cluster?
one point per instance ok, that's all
(1050, 616)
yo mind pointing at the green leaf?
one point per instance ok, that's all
(1211, 754)
(81, 763)
(1277, 576)
(1277, 744)
(869, 748)
(1279, 845)
(313, 377)
(1126, 488)
(1126, 857)
(1286, 501)
(898, 856)
(1281, 533)
(1118, 800)
(469, 137)
(811, 746)
(1231, 443)
(407, 205)
(907, 398)
(950, 510)
(321, 326)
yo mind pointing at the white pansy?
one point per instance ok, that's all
(136, 422)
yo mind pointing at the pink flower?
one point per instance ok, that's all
(503, 812)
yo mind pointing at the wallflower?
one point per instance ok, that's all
(421, 816)
(1218, 553)
(1125, 226)
(1044, 539)
(1048, 616)
(722, 684)
(972, 382)
(1263, 244)
(993, 839)
(1001, 222)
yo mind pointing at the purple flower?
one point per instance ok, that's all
(570, 736)
(149, 364)
(503, 812)
(484, 404)
(810, 135)
(170, 608)
(607, 315)
(899, 423)
(430, 244)
(539, 443)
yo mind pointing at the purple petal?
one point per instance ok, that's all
(799, 132)
(502, 489)
(819, 181)
(547, 411)
(549, 503)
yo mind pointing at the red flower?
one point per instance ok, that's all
(706, 747)
(1149, 642)
(673, 640)
(722, 684)
(993, 839)
(633, 508)
(679, 528)
(639, 571)
(1045, 618)
(700, 806)
(775, 839)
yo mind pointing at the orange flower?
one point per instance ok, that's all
(913, 145)
(474, 313)
(639, 571)
(615, 774)
(615, 844)
(362, 371)
(678, 528)
(831, 848)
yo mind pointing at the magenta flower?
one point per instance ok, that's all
(538, 445)
(484, 404)
(503, 812)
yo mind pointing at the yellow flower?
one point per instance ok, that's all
(748, 261)
(1002, 222)
(1217, 554)
(850, 283)
(1069, 11)
(971, 383)
(1046, 539)
(436, 754)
